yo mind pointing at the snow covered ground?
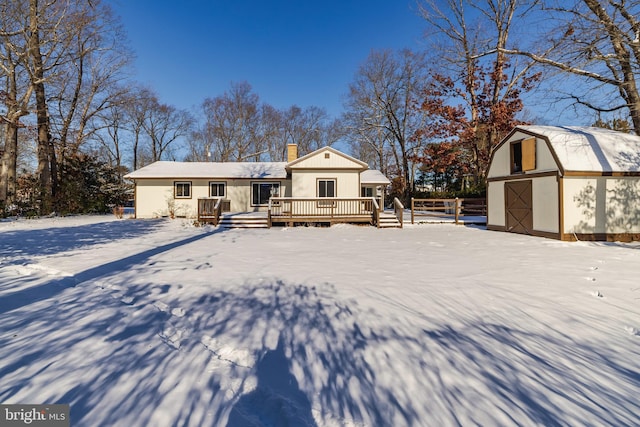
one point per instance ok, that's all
(160, 323)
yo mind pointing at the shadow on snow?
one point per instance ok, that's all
(284, 354)
(48, 241)
(30, 295)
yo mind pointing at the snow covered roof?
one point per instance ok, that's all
(348, 161)
(591, 149)
(373, 176)
(252, 170)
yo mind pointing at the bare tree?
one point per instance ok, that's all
(231, 125)
(164, 125)
(136, 104)
(309, 128)
(382, 98)
(112, 133)
(272, 131)
(597, 41)
(86, 81)
(36, 66)
(15, 97)
(369, 139)
(66, 50)
(238, 127)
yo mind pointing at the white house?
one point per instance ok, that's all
(167, 188)
(568, 183)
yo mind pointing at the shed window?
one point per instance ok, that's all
(217, 189)
(182, 189)
(523, 155)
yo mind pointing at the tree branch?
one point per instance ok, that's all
(562, 66)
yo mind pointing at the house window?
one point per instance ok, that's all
(262, 191)
(182, 189)
(326, 188)
(217, 189)
(523, 155)
(366, 192)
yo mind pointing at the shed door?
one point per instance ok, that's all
(519, 206)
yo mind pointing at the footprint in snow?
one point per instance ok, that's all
(597, 294)
(29, 269)
(632, 331)
(161, 306)
(172, 336)
(127, 300)
(237, 356)
(178, 312)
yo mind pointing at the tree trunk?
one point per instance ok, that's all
(9, 163)
(46, 152)
(3, 175)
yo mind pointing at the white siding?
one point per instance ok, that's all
(153, 196)
(602, 205)
(495, 204)
(544, 158)
(501, 163)
(326, 159)
(546, 211)
(304, 182)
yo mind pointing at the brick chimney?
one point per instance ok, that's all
(292, 152)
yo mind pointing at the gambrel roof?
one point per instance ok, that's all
(589, 149)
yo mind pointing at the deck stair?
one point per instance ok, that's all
(243, 221)
(389, 220)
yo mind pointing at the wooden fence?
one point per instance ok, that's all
(456, 208)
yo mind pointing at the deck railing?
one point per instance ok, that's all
(456, 208)
(210, 209)
(376, 213)
(322, 209)
(398, 210)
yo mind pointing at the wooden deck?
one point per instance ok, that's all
(303, 211)
(287, 210)
(211, 208)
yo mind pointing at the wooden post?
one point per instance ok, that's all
(412, 200)
(457, 210)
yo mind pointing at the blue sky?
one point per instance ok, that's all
(298, 52)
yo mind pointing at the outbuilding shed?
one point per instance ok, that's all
(567, 183)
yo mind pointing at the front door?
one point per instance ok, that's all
(519, 206)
